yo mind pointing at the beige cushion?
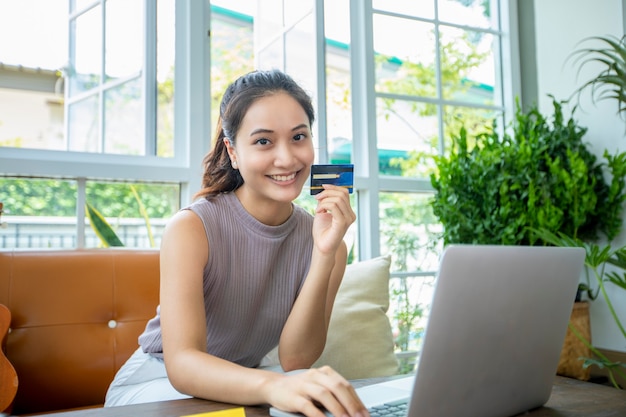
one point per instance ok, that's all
(359, 342)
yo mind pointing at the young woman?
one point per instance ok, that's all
(243, 269)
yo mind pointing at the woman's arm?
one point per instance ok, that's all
(304, 335)
(184, 254)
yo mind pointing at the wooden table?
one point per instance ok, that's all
(570, 398)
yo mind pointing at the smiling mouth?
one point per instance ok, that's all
(283, 178)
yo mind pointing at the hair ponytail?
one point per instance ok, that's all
(219, 175)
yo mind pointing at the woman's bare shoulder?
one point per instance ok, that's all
(185, 231)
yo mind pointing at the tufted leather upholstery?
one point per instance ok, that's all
(76, 316)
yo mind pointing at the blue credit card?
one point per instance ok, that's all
(341, 175)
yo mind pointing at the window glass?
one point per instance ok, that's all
(122, 110)
(423, 94)
(165, 77)
(83, 133)
(287, 41)
(300, 49)
(31, 119)
(269, 22)
(86, 58)
(467, 62)
(338, 103)
(299, 42)
(81, 4)
(84, 92)
(136, 213)
(476, 13)
(422, 8)
(410, 296)
(409, 231)
(41, 28)
(272, 55)
(31, 88)
(232, 52)
(401, 67)
(124, 48)
(41, 213)
(38, 213)
(473, 120)
(405, 129)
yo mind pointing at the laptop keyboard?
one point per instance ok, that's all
(393, 409)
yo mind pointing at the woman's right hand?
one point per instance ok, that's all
(311, 391)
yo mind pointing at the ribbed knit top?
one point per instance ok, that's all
(251, 280)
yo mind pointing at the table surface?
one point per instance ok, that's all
(570, 398)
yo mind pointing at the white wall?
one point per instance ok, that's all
(559, 26)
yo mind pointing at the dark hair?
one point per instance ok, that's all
(219, 176)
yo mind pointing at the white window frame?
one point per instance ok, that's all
(192, 124)
(192, 120)
(368, 182)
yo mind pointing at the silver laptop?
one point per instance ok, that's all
(497, 323)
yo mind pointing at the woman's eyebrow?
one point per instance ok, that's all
(260, 130)
(263, 130)
(300, 126)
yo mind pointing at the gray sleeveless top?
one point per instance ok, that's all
(251, 280)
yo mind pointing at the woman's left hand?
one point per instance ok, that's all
(333, 217)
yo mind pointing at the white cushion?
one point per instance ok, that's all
(360, 342)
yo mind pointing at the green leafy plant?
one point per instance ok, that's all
(493, 189)
(597, 258)
(406, 315)
(103, 229)
(610, 82)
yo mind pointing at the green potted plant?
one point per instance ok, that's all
(493, 189)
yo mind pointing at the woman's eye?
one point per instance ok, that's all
(299, 137)
(263, 141)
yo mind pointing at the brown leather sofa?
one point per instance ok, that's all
(76, 316)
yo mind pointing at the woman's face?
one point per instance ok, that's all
(274, 148)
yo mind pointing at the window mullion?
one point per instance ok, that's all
(320, 84)
(149, 75)
(192, 93)
(81, 199)
(364, 125)
(101, 91)
(439, 83)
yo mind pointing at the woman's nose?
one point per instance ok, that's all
(284, 156)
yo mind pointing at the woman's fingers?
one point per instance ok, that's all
(339, 396)
(335, 200)
(318, 390)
